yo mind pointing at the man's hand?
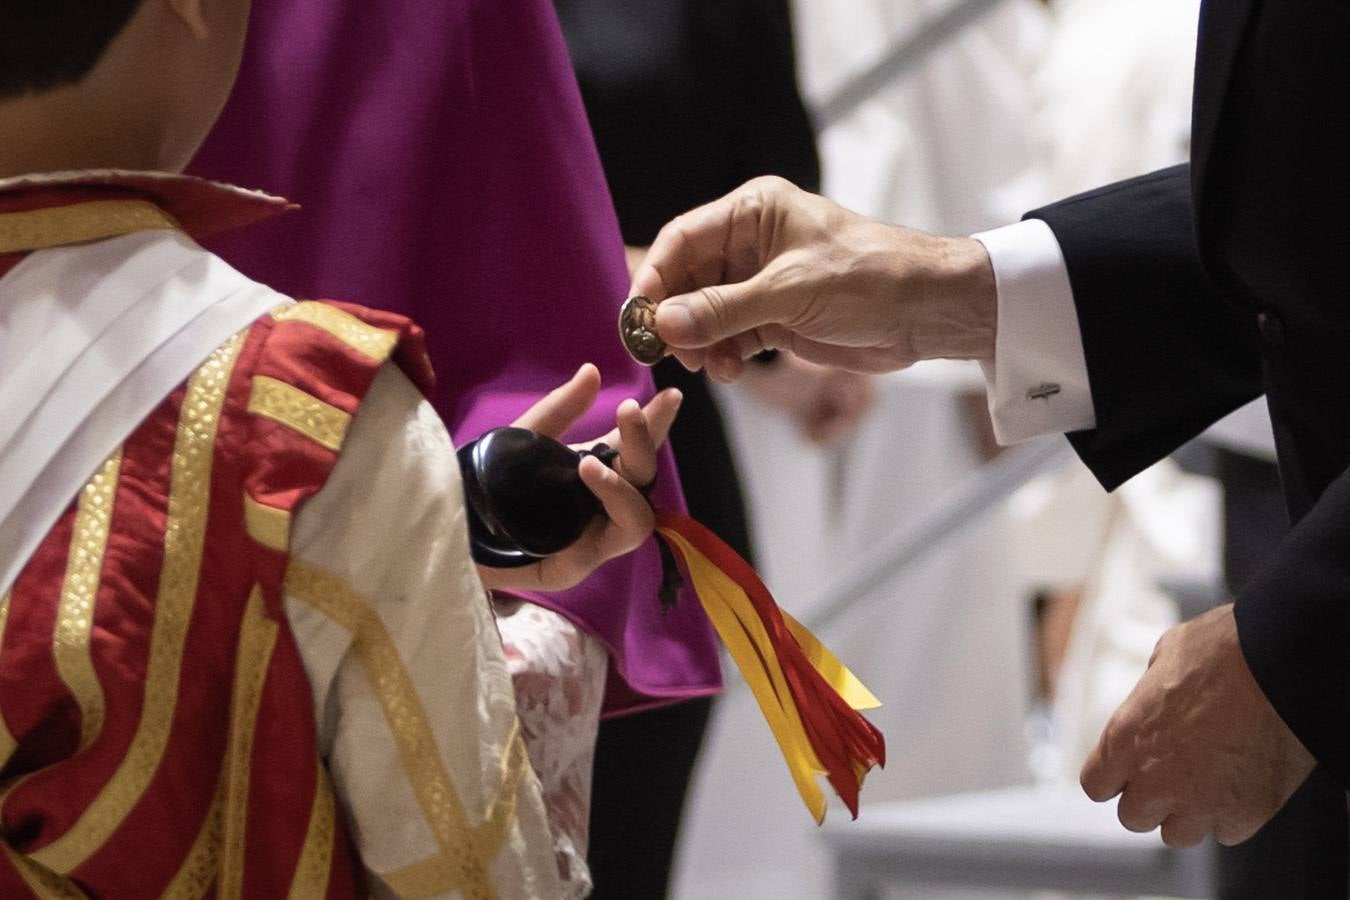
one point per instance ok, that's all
(628, 518)
(1196, 747)
(771, 266)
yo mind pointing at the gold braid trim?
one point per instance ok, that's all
(75, 618)
(7, 742)
(321, 422)
(78, 223)
(45, 884)
(435, 875)
(267, 525)
(184, 537)
(316, 858)
(407, 720)
(198, 871)
(257, 639)
(367, 340)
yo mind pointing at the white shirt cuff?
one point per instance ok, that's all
(1038, 381)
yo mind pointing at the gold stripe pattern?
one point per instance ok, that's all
(7, 742)
(45, 884)
(502, 814)
(257, 639)
(321, 422)
(365, 339)
(184, 536)
(267, 525)
(56, 226)
(198, 871)
(75, 617)
(316, 859)
(407, 720)
(436, 875)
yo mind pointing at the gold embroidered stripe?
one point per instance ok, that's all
(184, 535)
(367, 340)
(56, 226)
(45, 884)
(199, 868)
(429, 877)
(7, 742)
(407, 720)
(267, 525)
(316, 859)
(257, 638)
(502, 814)
(435, 875)
(75, 618)
(319, 421)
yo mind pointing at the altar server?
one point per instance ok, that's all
(243, 647)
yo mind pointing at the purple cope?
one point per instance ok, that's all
(444, 167)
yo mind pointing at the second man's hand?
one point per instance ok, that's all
(772, 266)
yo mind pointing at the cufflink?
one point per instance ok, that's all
(1043, 391)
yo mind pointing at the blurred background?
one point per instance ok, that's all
(998, 601)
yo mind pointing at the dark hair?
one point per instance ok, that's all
(45, 44)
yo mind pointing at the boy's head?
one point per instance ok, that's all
(113, 83)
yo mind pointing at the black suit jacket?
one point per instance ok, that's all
(1202, 286)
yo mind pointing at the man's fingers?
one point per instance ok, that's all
(1112, 761)
(719, 241)
(564, 405)
(1143, 807)
(1230, 834)
(1179, 831)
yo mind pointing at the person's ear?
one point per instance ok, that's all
(192, 15)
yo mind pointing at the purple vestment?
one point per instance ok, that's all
(445, 170)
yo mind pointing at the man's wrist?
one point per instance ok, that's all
(962, 321)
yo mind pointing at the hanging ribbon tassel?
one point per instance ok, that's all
(809, 698)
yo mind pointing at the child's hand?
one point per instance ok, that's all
(628, 519)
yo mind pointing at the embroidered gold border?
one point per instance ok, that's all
(418, 753)
(75, 617)
(319, 421)
(7, 742)
(257, 639)
(201, 865)
(367, 340)
(316, 858)
(184, 536)
(45, 884)
(267, 525)
(502, 814)
(435, 875)
(56, 226)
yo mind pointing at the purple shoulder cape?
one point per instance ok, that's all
(445, 170)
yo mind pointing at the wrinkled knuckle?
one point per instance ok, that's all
(718, 318)
(770, 184)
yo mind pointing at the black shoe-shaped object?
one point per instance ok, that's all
(525, 497)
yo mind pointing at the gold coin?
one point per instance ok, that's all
(637, 329)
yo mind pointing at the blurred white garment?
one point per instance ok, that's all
(944, 645)
(1125, 549)
(937, 149)
(1113, 94)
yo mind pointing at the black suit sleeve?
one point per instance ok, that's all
(1294, 624)
(1166, 354)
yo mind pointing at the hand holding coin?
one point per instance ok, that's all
(637, 330)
